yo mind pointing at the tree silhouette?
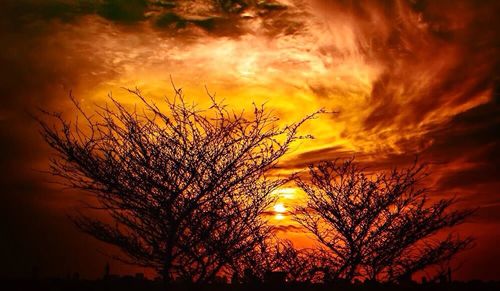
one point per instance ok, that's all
(274, 255)
(378, 227)
(184, 188)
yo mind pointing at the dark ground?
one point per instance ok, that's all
(130, 284)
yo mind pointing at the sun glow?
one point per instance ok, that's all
(279, 208)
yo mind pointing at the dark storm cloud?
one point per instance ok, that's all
(472, 138)
(231, 18)
(488, 214)
(470, 142)
(483, 168)
(473, 133)
(218, 17)
(125, 11)
(462, 28)
(431, 54)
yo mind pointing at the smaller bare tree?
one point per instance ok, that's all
(381, 226)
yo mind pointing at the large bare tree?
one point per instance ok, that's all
(380, 226)
(183, 188)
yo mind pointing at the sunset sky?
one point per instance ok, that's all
(407, 78)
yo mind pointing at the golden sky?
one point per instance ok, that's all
(407, 78)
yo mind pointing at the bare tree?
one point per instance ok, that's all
(184, 188)
(380, 226)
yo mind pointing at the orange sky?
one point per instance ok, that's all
(407, 78)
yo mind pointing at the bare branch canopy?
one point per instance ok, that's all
(184, 188)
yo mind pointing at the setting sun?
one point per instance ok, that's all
(279, 208)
